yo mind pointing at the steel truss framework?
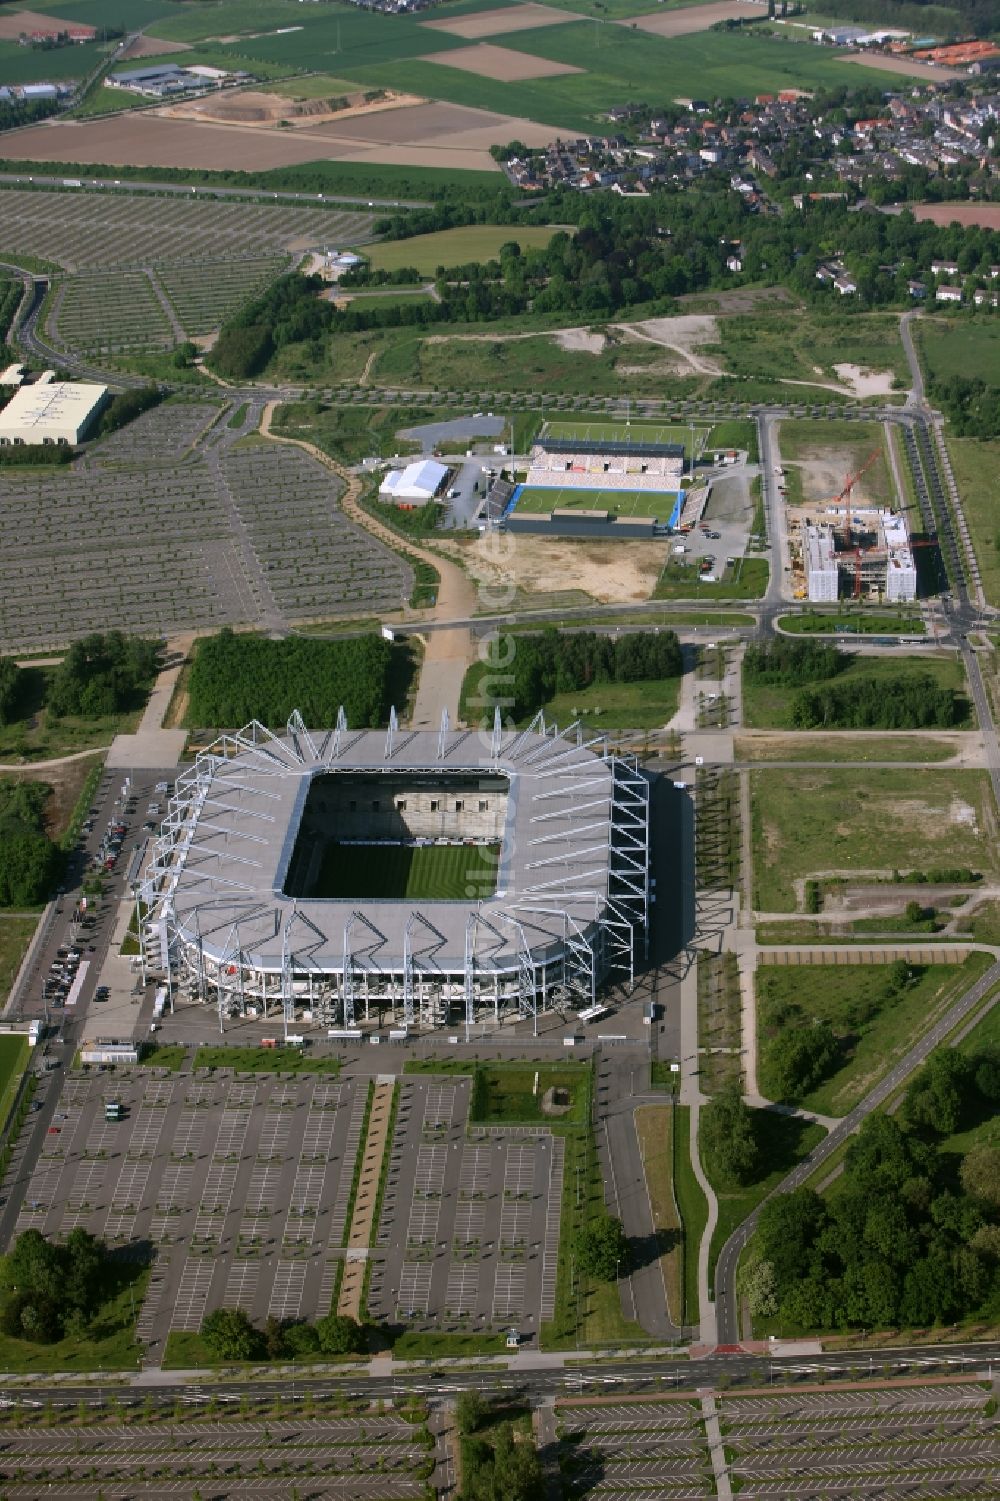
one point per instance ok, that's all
(222, 934)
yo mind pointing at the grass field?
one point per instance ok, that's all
(407, 872)
(455, 247)
(540, 500)
(882, 819)
(768, 706)
(680, 580)
(654, 1128)
(606, 706)
(13, 1061)
(587, 431)
(806, 344)
(263, 1060)
(976, 465)
(692, 1207)
(836, 994)
(966, 348)
(107, 1344)
(844, 747)
(15, 935)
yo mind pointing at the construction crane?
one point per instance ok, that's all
(860, 553)
(845, 494)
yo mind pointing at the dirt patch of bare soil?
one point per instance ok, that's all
(618, 573)
(14, 22)
(580, 340)
(153, 46)
(683, 337)
(986, 215)
(253, 107)
(499, 22)
(865, 382)
(696, 17)
(501, 63)
(904, 65)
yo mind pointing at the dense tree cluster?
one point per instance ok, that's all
(976, 16)
(15, 112)
(549, 663)
(971, 406)
(52, 1290)
(127, 406)
(799, 1050)
(500, 1468)
(104, 673)
(230, 1335)
(877, 703)
(910, 1236)
(29, 861)
(601, 1248)
(10, 296)
(288, 312)
(238, 678)
(10, 689)
(790, 661)
(727, 1132)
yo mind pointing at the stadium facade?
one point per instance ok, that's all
(229, 920)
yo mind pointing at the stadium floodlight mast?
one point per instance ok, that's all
(249, 903)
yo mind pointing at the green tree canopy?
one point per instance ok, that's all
(602, 1248)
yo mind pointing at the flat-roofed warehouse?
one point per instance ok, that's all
(51, 412)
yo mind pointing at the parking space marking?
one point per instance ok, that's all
(287, 1289)
(414, 1287)
(262, 1193)
(241, 1284)
(144, 1133)
(550, 1243)
(191, 1300)
(232, 1133)
(508, 1292)
(462, 1290)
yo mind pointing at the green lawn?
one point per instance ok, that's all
(509, 1093)
(406, 872)
(784, 1141)
(170, 1055)
(833, 819)
(768, 706)
(680, 580)
(15, 935)
(692, 1207)
(277, 1060)
(968, 347)
(854, 622)
(538, 500)
(838, 993)
(455, 247)
(349, 433)
(976, 467)
(14, 1053)
(587, 430)
(108, 1345)
(33, 734)
(609, 706)
(845, 747)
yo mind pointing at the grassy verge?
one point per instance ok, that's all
(748, 580)
(15, 935)
(976, 465)
(185, 1350)
(855, 824)
(14, 1053)
(692, 1207)
(769, 706)
(81, 807)
(784, 1141)
(172, 1056)
(654, 1127)
(276, 1060)
(872, 1025)
(913, 746)
(413, 1344)
(358, 1160)
(108, 1345)
(607, 706)
(848, 622)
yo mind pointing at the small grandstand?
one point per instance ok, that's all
(601, 480)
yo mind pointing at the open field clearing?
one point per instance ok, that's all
(430, 135)
(908, 67)
(827, 453)
(500, 22)
(976, 465)
(690, 18)
(455, 247)
(539, 500)
(586, 431)
(948, 348)
(822, 746)
(499, 62)
(877, 820)
(786, 345)
(611, 575)
(15, 935)
(986, 215)
(49, 65)
(99, 231)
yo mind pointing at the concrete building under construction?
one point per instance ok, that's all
(866, 554)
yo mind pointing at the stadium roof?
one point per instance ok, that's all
(612, 446)
(224, 850)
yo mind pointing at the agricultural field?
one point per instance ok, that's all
(456, 247)
(537, 500)
(768, 706)
(865, 822)
(406, 872)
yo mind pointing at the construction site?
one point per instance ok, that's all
(851, 547)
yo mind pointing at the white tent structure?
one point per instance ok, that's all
(414, 485)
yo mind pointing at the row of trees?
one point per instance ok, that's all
(230, 1335)
(53, 1289)
(10, 689)
(103, 673)
(238, 678)
(790, 661)
(550, 662)
(878, 703)
(495, 1466)
(29, 861)
(910, 1236)
(127, 406)
(288, 312)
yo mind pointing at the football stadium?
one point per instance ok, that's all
(602, 479)
(451, 876)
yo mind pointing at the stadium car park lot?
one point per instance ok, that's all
(338, 1455)
(469, 1231)
(186, 536)
(240, 1183)
(918, 1441)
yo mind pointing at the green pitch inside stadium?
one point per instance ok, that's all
(408, 872)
